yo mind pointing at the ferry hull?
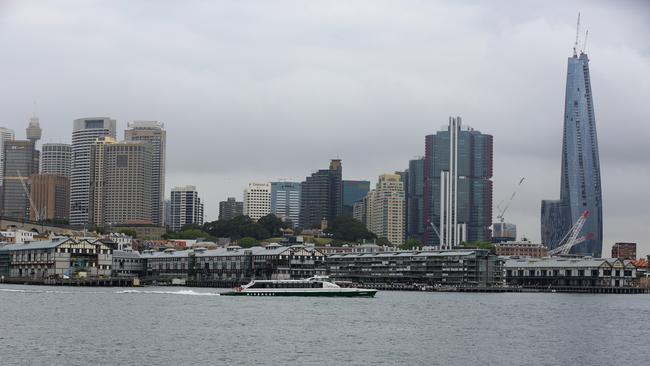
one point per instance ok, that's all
(360, 293)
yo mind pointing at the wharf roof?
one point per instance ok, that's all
(126, 254)
(427, 253)
(44, 244)
(220, 252)
(557, 263)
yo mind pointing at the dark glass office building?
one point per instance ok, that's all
(20, 162)
(580, 187)
(354, 191)
(469, 178)
(322, 196)
(415, 199)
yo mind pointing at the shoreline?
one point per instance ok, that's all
(131, 282)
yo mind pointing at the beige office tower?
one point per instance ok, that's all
(6, 134)
(385, 209)
(84, 133)
(120, 183)
(153, 133)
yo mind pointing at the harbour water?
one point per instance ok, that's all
(181, 326)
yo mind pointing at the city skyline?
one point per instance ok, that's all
(523, 113)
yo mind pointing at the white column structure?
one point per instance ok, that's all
(451, 232)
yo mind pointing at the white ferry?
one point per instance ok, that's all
(320, 286)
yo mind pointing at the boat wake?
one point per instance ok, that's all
(180, 292)
(30, 291)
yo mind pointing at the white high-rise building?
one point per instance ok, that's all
(385, 209)
(186, 207)
(257, 200)
(56, 159)
(153, 133)
(451, 231)
(6, 134)
(84, 133)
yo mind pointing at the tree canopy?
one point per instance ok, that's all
(247, 242)
(410, 244)
(480, 245)
(346, 228)
(243, 226)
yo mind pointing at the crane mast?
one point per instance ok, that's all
(570, 239)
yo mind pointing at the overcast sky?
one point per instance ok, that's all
(261, 90)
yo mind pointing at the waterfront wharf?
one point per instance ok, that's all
(92, 281)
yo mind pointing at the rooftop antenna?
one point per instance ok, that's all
(584, 43)
(575, 45)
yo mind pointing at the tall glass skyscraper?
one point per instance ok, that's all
(457, 190)
(321, 196)
(580, 188)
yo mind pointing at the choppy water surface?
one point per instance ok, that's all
(182, 326)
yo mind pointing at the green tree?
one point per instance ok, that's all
(238, 227)
(130, 232)
(480, 245)
(383, 241)
(247, 242)
(272, 224)
(346, 228)
(410, 244)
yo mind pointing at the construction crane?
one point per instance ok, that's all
(575, 45)
(571, 238)
(502, 211)
(437, 233)
(37, 212)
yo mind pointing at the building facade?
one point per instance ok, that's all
(322, 196)
(186, 207)
(56, 159)
(624, 251)
(520, 249)
(6, 134)
(57, 257)
(472, 268)
(415, 199)
(354, 191)
(257, 200)
(503, 232)
(569, 272)
(236, 265)
(580, 186)
(285, 201)
(50, 194)
(385, 209)
(230, 208)
(84, 133)
(457, 193)
(154, 134)
(120, 183)
(21, 161)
